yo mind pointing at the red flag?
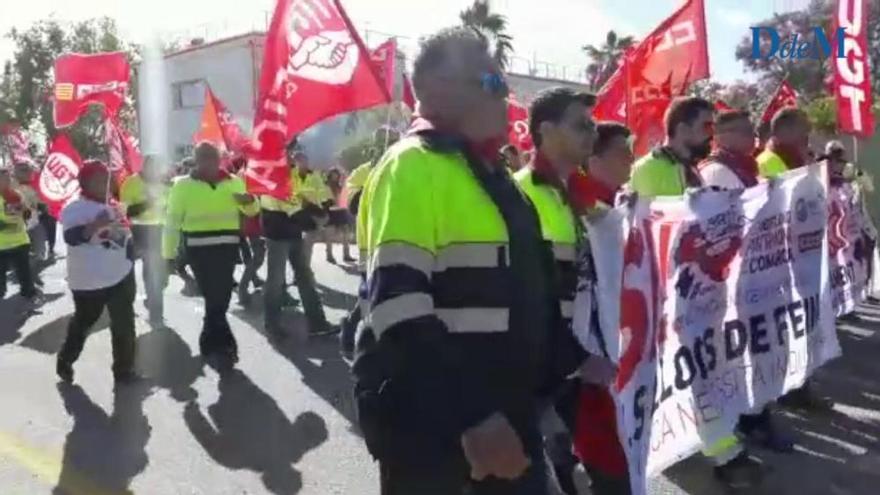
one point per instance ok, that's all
(518, 125)
(785, 96)
(721, 106)
(409, 96)
(852, 77)
(647, 104)
(676, 51)
(383, 58)
(314, 66)
(16, 142)
(210, 128)
(83, 80)
(124, 157)
(57, 183)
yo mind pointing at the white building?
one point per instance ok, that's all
(231, 67)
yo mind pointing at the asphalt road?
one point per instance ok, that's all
(283, 423)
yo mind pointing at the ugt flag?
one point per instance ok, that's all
(57, 183)
(83, 80)
(314, 66)
(852, 77)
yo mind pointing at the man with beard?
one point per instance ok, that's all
(668, 171)
(732, 166)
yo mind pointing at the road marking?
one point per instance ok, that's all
(49, 467)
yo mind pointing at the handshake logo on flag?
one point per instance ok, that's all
(322, 48)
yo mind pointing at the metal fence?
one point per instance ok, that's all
(259, 22)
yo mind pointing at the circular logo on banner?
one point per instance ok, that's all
(321, 47)
(58, 180)
(800, 210)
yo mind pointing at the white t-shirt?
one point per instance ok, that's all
(102, 261)
(719, 175)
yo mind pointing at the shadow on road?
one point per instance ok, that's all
(838, 452)
(49, 338)
(16, 311)
(247, 430)
(167, 359)
(336, 299)
(103, 453)
(317, 358)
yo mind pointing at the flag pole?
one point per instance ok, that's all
(855, 151)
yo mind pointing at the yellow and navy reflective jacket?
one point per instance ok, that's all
(356, 181)
(205, 214)
(460, 298)
(288, 218)
(559, 226)
(13, 232)
(151, 199)
(770, 164)
(313, 189)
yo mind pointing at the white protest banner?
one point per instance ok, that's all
(850, 247)
(727, 306)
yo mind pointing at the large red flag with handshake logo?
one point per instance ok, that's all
(785, 96)
(662, 65)
(314, 66)
(83, 80)
(58, 181)
(852, 78)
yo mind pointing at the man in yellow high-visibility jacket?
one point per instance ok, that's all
(788, 146)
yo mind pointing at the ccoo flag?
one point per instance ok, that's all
(314, 66)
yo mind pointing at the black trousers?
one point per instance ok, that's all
(148, 246)
(89, 304)
(19, 259)
(214, 268)
(449, 474)
(50, 225)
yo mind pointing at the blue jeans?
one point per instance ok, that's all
(278, 253)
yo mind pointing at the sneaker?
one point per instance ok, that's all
(805, 398)
(288, 301)
(851, 318)
(244, 298)
(769, 436)
(348, 258)
(258, 282)
(741, 473)
(64, 371)
(331, 259)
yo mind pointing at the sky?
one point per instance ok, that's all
(550, 32)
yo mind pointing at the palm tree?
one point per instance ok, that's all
(603, 59)
(491, 27)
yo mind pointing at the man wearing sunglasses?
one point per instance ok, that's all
(669, 171)
(459, 333)
(731, 164)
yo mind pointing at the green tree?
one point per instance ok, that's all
(604, 59)
(492, 27)
(27, 81)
